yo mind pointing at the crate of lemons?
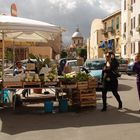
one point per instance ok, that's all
(50, 76)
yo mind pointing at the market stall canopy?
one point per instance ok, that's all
(26, 29)
(12, 24)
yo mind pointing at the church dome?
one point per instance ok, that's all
(77, 34)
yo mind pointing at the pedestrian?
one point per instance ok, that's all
(136, 68)
(61, 66)
(110, 80)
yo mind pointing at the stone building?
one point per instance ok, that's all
(130, 28)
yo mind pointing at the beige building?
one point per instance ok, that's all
(112, 32)
(21, 50)
(105, 36)
(93, 50)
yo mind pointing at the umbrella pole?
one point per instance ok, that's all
(3, 54)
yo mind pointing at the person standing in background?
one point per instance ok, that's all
(18, 69)
(136, 69)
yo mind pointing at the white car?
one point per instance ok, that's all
(73, 65)
(9, 70)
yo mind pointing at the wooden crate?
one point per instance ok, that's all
(12, 84)
(92, 83)
(82, 85)
(87, 104)
(71, 86)
(32, 84)
(88, 97)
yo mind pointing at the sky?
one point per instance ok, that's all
(68, 14)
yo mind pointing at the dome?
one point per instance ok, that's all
(77, 34)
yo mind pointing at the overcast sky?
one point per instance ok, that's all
(65, 13)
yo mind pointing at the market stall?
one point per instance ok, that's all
(79, 89)
(22, 29)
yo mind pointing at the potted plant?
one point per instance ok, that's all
(40, 62)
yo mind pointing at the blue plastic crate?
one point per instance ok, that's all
(63, 105)
(48, 106)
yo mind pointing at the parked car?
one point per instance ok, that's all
(70, 62)
(130, 68)
(95, 66)
(123, 63)
(73, 65)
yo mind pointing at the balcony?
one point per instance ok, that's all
(110, 29)
(105, 33)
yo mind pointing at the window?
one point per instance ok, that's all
(134, 49)
(138, 19)
(131, 48)
(105, 26)
(117, 23)
(124, 4)
(124, 49)
(133, 1)
(131, 23)
(78, 41)
(124, 27)
(112, 22)
(134, 22)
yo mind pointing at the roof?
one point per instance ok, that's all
(77, 34)
(111, 15)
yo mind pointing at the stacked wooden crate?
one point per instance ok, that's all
(85, 94)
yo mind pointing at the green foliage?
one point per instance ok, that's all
(81, 76)
(40, 61)
(63, 54)
(82, 52)
(9, 54)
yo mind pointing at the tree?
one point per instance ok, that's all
(82, 52)
(9, 54)
(63, 54)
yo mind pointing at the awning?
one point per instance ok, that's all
(110, 42)
(102, 45)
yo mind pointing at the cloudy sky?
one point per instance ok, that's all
(66, 13)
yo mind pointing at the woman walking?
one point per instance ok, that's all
(110, 81)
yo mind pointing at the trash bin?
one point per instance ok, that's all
(48, 106)
(63, 105)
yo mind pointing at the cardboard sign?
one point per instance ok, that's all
(30, 66)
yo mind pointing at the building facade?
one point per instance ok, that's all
(112, 33)
(21, 50)
(130, 28)
(93, 50)
(77, 39)
(105, 36)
